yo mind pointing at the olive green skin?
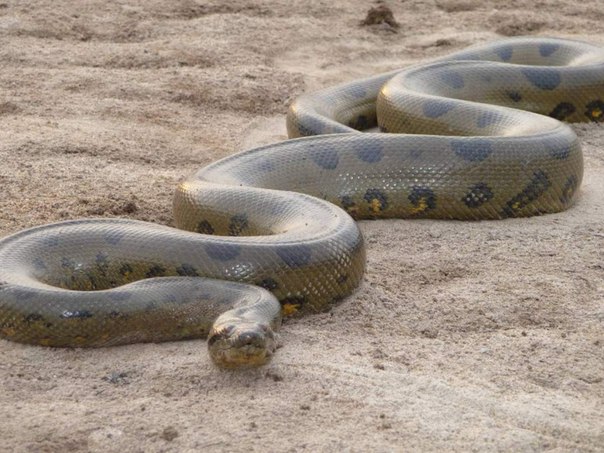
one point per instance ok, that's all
(280, 217)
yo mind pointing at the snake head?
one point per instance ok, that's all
(241, 344)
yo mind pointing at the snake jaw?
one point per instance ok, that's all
(244, 345)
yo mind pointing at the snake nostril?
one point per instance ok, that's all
(251, 339)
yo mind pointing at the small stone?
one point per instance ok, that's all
(380, 15)
(130, 207)
(429, 332)
(169, 434)
(117, 377)
(442, 42)
(274, 375)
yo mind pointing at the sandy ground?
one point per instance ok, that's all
(482, 336)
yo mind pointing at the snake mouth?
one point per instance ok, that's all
(242, 346)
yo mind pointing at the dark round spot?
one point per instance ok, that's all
(434, 108)
(416, 153)
(156, 271)
(23, 294)
(473, 150)
(265, 166)
(295, 255)
(558, 149)
(50, 241)
(373, 195)
(205, 227)
(360, 123)
(569, 189)
(119, 296)
(186, 270)
(222, 252)
(293, 300)
(422, 198)
(33, 317)
(452, 79)
(238, 224)
(347, 203)
(546, 49)
(357, 91)
(562, 111)
(342, 279)
(514, 96)
(39, 265)
(478, 195)
(487, 118)
(543, 78)
(268, 283)
(370, 151)
(310, 125)
(595, 110)
(504, 52)
(326, 158)
(114, 237)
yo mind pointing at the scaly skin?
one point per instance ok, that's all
(277, 216)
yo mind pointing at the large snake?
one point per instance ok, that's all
(281, 216)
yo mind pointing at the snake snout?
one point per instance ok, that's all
(240, 346)
(250, 340)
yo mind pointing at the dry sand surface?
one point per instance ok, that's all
(464, 336)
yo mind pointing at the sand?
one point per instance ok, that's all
(483, 336)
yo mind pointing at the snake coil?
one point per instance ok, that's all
(280, 217)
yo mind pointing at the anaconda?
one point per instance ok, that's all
(474, 135)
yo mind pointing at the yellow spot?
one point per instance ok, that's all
(79, 339)
(45, 341)
(290, 309)
(185, 186)
(376, 205)
(516, 206)
(596, 113)
(422, 205)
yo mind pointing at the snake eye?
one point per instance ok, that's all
(221, 332)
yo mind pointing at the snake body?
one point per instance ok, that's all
(280, 217)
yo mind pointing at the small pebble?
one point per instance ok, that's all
(169, 434)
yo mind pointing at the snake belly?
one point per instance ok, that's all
(475, 135)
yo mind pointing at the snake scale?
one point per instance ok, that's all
(270, 231)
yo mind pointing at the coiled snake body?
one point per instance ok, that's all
(277, 217)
